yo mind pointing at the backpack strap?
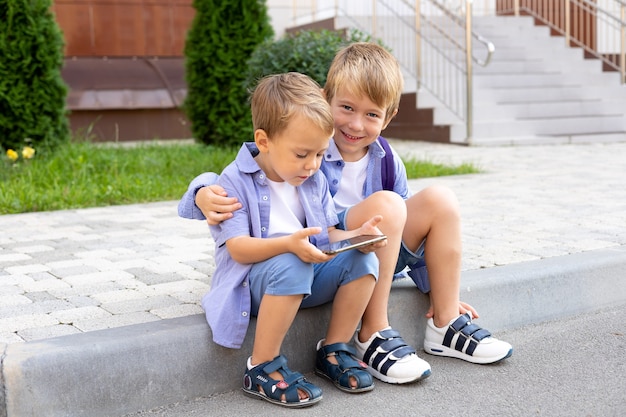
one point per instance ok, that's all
(387, 167)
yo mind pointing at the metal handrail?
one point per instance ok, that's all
(489, 46)
(593, 8)
(447, 45)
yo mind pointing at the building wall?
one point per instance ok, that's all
(124, 28)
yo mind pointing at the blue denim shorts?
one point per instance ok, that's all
(409, 263)
(286, 274)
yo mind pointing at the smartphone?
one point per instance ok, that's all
(353, 243)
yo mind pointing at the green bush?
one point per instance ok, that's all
(309, 52)
(32, 92)
(220, 41)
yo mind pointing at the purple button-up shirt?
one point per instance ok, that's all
(227, 304)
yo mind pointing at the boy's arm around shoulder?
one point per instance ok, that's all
(187, 205)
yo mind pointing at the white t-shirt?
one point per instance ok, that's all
(350, 190)
(286, 211)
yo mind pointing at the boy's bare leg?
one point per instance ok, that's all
(348, 305)
(433, 213)
(276, 315)
(393, 209)
(392, 360)
(437, 219)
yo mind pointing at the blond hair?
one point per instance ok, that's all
(277, 98)
(365, 68)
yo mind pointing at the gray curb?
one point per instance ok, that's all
(123, 370)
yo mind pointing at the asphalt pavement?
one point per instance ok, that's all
(570, 367)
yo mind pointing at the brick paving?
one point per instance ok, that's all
(75, 271)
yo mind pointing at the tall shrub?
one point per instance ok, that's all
(220, 41)
(309, 52)
(32, 92)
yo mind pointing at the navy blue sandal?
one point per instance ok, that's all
(348, 367)
(257, 383)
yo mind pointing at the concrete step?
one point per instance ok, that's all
(548, 53)
(499, 65)
(493, 111)
(547, 94)
(535, 88)
(531, 140)
(545, 79)
(565, 125)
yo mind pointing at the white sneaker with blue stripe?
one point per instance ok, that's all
(465, 340)
(390, 358)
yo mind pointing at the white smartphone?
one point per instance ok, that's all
(352, 243)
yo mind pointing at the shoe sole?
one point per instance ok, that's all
(261, 396)
(398, 381)
(319, 372)
(439, 350)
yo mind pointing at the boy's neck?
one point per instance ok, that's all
(353, 156)
(266, 168)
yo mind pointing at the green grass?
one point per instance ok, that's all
(84, 174)
(423, 169)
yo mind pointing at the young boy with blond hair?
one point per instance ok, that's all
(363, 87)
(268, 261)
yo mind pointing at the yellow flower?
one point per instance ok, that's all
(12, 155)
(28, 152)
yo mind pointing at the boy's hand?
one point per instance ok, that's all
(215, 204)
(303, 249)
(369, 228)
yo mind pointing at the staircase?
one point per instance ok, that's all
(537, 90)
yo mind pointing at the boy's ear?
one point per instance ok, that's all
(261, 140)
(390, 119)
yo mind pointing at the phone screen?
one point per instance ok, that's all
(353, 243)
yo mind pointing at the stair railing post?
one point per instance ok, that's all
(374, 18)
(468, 61)
(567, 23)
(418, 46)
(622, 57)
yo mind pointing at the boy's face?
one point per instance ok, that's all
(294, 154)
(358, 123)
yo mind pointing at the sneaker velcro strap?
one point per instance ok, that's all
(389, 348)
(399, 354)
(480, 334)
(390, 339)
(465, 329)
(470, 329)
(461, 322)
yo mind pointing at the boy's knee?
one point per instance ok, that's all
(391, 205)
(441, 197)
(357, 264)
